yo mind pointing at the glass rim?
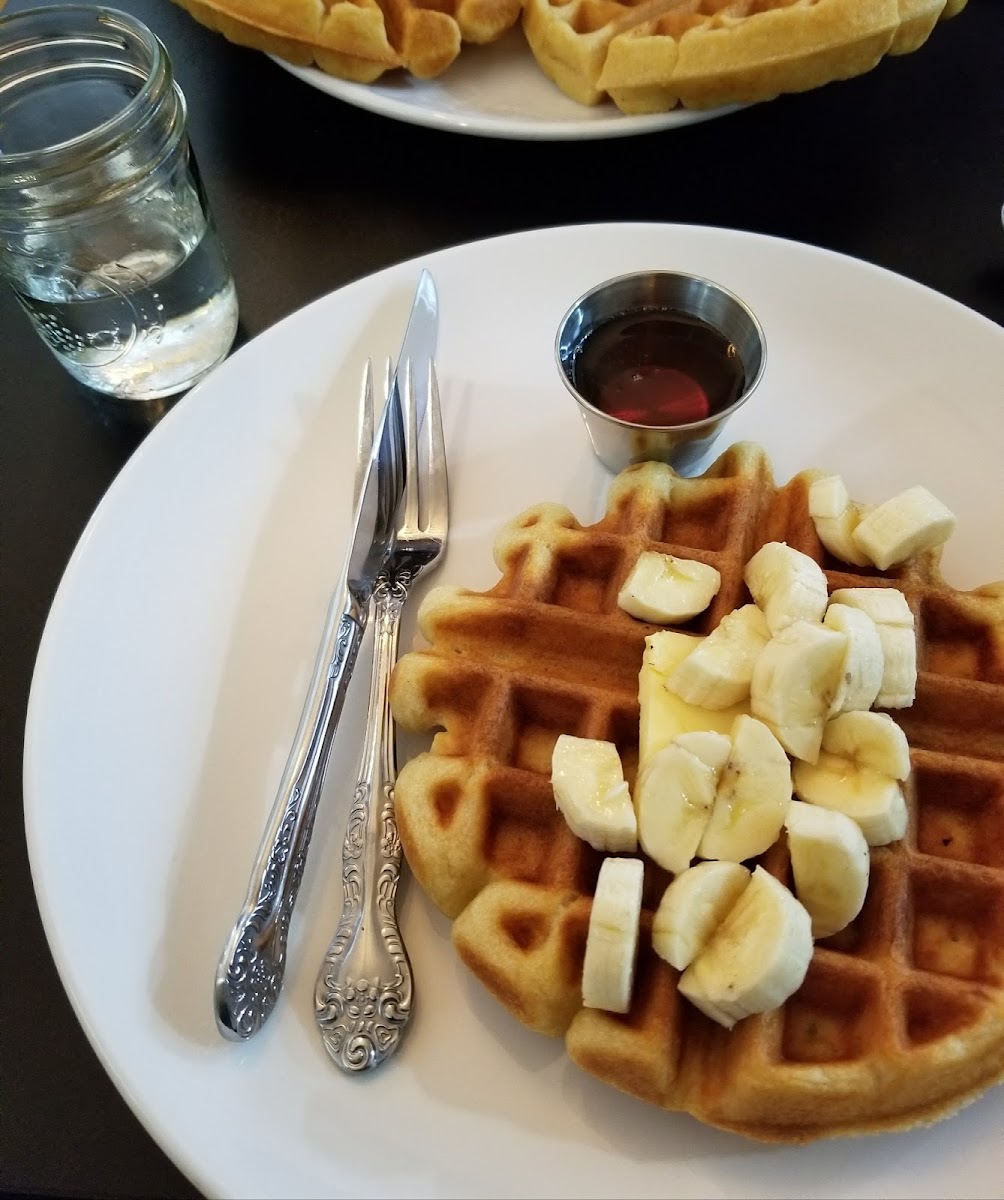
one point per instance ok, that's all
(54, 22)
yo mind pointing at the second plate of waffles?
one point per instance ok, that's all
(868, 375)
(559, 69)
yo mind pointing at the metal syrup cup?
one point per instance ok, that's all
(618, 443)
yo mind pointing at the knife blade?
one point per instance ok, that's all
(251, 968)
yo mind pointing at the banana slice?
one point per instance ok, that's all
(875, 801)
(756, 958)
(830, 863)
(716, 674)
(612, 940)
(836, 516)
(692, 908)
(885, 605)
(592, 794)
(754, 791)
(666, 589)
(864, 663)
(869, 739)
(674, 794)
(889, 609)
(787, 585)
(909, 523)
(795, 679)
(663, 714)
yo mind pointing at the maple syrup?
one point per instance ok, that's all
(658, 368)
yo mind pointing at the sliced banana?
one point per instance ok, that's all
(836, 516)
(753, 794)
(910, 522)
(885, 605)
(667, 590)
(756, 958)
(875, 801)
(795, 679)
(612, 940)
(864, 662)
(692, 908)
(830, 863)
(664, 715)
(869, 739)
(674, 794)
(787, 585)
(716, 674)
(592, 794)
(889, 609)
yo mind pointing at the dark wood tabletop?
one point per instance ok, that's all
(901, 167)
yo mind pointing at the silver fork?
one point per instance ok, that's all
(362, 1000)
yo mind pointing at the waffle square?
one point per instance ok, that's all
(900, 1019)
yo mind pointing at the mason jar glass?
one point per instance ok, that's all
(105, 233)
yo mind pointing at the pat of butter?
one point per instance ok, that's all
(663, 714)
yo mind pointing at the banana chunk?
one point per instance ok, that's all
(787, 585)
(889, 609)
(756, 958)
(869, 739)
(864, 663)
(592, 793)
(667, 590)
(753, 794)
(836, 516)
(674, 794)
(716, 674)
(612, 940)
(910, 522)
(692, 908)
(869, 797)
(830, 862)
(664, 715)
(795, 680)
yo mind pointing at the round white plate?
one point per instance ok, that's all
(173, 666)
(495, 91)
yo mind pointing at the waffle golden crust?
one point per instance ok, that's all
(651, 55)
(900, 1019)
(647, 55)
(359, 39)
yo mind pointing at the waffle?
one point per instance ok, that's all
(648, 55)
(651, 55)
(900, 1019)
(359, 39)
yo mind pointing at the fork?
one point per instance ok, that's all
(363, 995)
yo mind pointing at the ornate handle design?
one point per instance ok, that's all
(362, 1000)
(250, 972)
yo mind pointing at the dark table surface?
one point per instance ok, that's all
(901, 167)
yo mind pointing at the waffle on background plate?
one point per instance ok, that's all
(900, 1019)
(646, 55)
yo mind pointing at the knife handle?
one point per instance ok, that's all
(250, 972)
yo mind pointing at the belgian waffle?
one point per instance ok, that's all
(359, 39)
(648, 55)
(900, 1019)
(651, 55)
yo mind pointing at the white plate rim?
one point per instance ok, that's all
(409, 101)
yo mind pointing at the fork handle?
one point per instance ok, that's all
(251, 968)
(362, 1000)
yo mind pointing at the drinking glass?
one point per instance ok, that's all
(106, 235)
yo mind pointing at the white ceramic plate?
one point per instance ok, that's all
(173, 666)
(495, 91)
